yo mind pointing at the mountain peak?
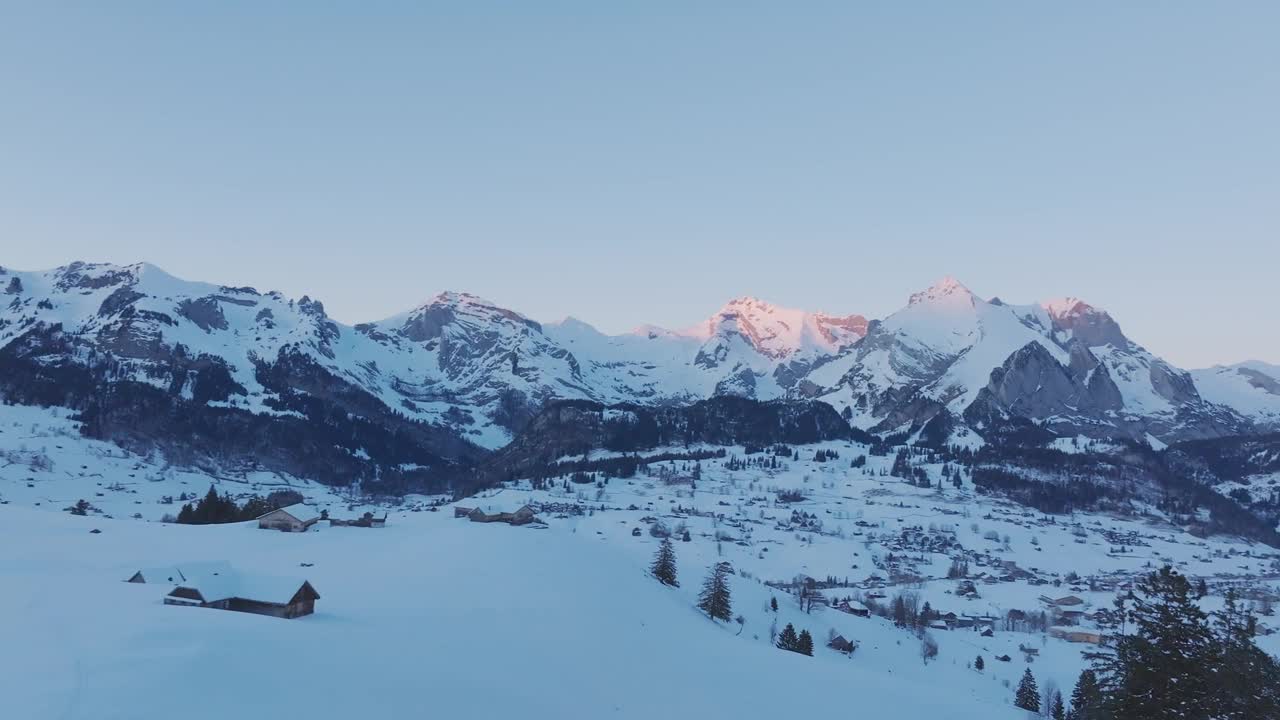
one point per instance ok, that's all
(749, 303)
(1091, 325)
(453, 297)
(946, 289)
(1063, 306)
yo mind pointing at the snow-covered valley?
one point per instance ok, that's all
(559, 618)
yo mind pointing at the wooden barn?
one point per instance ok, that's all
(840, 644)
(853, 607)
(298, 517)
(258, 594)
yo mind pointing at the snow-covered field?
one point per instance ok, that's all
(427, 617)
(434, 615)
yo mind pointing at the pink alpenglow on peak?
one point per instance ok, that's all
(948, 289)
(779, 332)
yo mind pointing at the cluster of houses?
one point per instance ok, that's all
(217, 585)
(522, 515)
(1067, 613)
(299, 517)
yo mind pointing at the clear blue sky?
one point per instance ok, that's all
(645, 162)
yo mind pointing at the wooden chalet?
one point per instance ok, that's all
(1065, 601)
(258, 594)
(853, 607)
(840, 644)
(298, 517)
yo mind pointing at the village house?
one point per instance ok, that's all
(1076, 635)
(298, 517)
(1066, 601)
(840, 644)
(259, 594)
(853, 607)
(520, 516)
(1069, 617)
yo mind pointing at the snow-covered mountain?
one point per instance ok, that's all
(748, 348)
(458, 362)
(1062, 364)
(458, 375)
(1251, 388)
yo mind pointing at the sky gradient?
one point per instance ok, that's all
(645, 163)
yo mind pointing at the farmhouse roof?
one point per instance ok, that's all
(302, 512)
(264, 588)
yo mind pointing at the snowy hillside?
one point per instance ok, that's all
(1250, 388)
(559, 618)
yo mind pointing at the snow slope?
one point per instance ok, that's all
(436, 615)
(1252, 388)
(524, 623)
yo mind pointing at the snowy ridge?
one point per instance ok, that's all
(467, 366)
(1251, 388)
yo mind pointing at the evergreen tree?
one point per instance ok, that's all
(901, 465)
(1248, 680)
(773, 604)
(1057, 710)
(804, 644)
(714, 598)
(979, 664)
(1160, 669)
(1027, 696)
(1087, 696)
(664, 564)
(788, 640)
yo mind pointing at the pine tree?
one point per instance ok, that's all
(979, 664)
(901, 465)
(787, 640)
(664, 564)
(1087, 696)
(773, 604)
(1028, 695)
(1248, 680)
(1170, 640)
(1057, 710)
(804, 644)
(714, 598)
